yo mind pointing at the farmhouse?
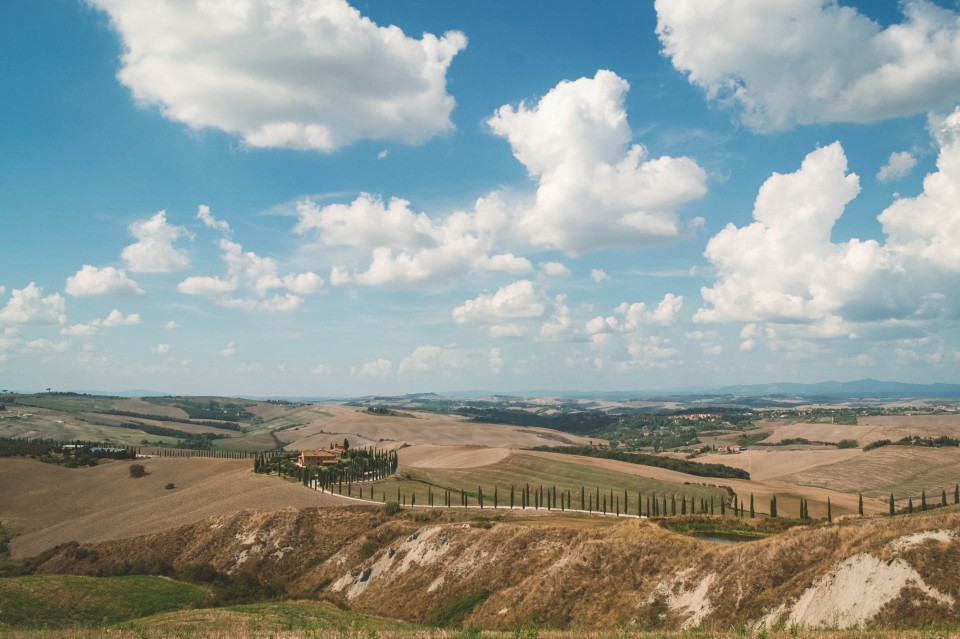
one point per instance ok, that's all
(320, 457)
(729, 450)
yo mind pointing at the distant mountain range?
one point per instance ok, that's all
(861, 388)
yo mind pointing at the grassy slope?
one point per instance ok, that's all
(521, 469)
(62, 601)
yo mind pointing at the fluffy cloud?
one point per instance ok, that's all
(598, 275)
(636, 315)
(406, 247)
(44, 346)
(594, 190)
(443, 360)
(153, 251)
(517, 301)
(205, 216)
(898, 166)
(785, 269)
(554, 269)
(301, 74)
(259, 275)
(376, 368)
(160, 349)
(29, 306)
(926, 227)
(116, 318)
(229, 350)
(786, 63)
(91, 280)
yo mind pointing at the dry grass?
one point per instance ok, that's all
(365, 429)
(237, 631)
(546, 573)
(51, 505)
(901, 470)
(871, 428)
(562, 472)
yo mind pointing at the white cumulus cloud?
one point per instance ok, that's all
(785, 63)
(405, 247)
(785, 269)
(116, 318)
(501, 310)
(594, 189)
(29, 306)
(300, 74)
(228, 351)
(376, 368)
(154, 252)
(257, 275)
(898, 166)
(205, 216)
(90, 280)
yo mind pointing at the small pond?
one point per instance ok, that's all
(724, 538)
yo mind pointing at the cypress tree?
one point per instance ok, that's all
(673, 505)
(626, 507)
(829, 511)
(590, 504)
(910, 506)
(860, 503)
(583, 502)
(494, 496)
(773, 506)
(663, 510)
(751, 507)
(648, 506)
(893, 507)
(480, 496)
(956, 494)
(618, 505)
(683, 505)
(511, 496)
(943, 498)
(923, 500)
(723, 506)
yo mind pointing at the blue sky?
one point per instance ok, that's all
(316, 198)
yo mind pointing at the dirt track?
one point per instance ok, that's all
(52, 505)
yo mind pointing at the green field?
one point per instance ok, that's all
(63, 601)
(519, 470)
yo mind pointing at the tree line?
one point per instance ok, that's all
(644, 459)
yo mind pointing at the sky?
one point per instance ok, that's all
(321, 198)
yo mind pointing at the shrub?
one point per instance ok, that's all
(454, 612)
(137, 470)
(847, 443)
(170, 486)
(391, 507)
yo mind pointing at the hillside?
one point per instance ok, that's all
(583, 573)
(49, 505)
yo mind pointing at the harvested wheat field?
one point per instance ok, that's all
(770, 463)
(788, 494)
(391, 431)
(430, 456)
(904, 471)
(52, 505)
(870, 429)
